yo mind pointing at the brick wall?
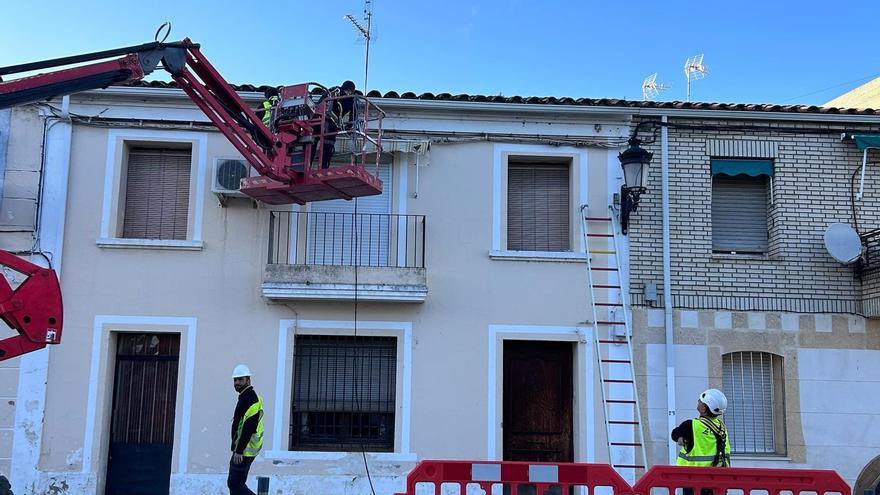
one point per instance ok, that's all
(811, 189)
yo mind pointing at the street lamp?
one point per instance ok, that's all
(634, 161)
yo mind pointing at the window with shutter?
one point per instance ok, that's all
(740, 207)
(753, 384)
(538, 207)
(337, 237)
(344, 393)
(157, 193)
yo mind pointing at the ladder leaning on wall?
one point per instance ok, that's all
(612, 334)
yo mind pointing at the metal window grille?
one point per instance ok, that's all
(157, 193)
(538, 207)
(752, 382)
(344, 391)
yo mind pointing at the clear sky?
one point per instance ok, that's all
(757, 51)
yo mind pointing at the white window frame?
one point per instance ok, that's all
(287, 332)
(111, 217)
(578, 190)
(101, 372)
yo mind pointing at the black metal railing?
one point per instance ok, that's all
(871, 259)
(347, 239)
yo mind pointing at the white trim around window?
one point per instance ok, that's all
(583, 413)
(116, 139)
(287, 330)
(579, 181)
(100, 374)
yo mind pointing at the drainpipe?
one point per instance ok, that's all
(667, 291)
(34, 367)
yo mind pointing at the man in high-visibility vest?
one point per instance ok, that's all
(272, 97)
(247, 431)
(340, 114)
(704, 440)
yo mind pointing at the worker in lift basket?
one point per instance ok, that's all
(272, 97)
(703, 441)
(339, 114)
(247, 431)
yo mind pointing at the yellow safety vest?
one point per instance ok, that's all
(256, 441)
(267, 106)
(705, 445)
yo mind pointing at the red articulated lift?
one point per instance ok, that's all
(286, 155)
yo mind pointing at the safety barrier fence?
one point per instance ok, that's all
(436, 477)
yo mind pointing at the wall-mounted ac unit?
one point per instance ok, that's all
(227, 176)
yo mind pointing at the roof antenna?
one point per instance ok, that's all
(651, 88)
(694, 70)
(366, 33)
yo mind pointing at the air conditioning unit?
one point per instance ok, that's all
(227, 176)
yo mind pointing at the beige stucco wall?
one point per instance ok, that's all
(219, 287)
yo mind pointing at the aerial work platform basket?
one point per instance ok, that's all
(330, 145)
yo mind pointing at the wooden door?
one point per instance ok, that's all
(142, 421)
(537, 401)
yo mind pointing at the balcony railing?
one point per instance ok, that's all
(347, 239)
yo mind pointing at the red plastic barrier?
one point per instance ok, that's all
(541, 475)
(719, 480)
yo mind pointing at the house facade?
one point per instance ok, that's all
(404, 326)
(450, 317)
(757, 305)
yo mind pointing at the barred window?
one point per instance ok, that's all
(344, 391)
(755, 417)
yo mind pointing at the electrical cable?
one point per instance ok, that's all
(356, 261)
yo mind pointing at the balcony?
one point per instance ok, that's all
(868, 270)
(340, 256)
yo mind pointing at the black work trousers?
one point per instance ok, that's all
(238, 474)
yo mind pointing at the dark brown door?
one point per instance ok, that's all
(142, 422)
(538, 401)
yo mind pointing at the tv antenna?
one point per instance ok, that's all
(694, 70)
(366, 33)
(651, 88)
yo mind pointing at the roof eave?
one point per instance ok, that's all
(607, 111)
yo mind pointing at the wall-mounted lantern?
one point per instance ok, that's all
(634, 161)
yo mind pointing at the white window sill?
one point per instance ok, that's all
(298, 455)
(763, 458)
(557, 256)
(119, 243)
(741, 257)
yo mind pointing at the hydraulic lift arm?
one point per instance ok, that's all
(33, 308)
(282, 156)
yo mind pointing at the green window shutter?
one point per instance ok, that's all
(538, 207)
(739, 214)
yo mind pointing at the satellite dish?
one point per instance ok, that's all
(843, 243)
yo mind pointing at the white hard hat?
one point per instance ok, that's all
(241, 370)
(714, 400)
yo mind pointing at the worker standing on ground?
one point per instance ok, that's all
(703, 441)
(247, 431)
